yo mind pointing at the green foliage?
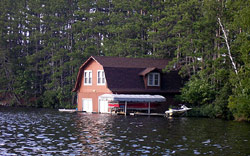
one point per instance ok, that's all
(202, 111)
(50, 99)
(220, 104)
(23, 84)
(212, 88)
(239, 101)
(198, 91)
(205, 99)
(43, 43)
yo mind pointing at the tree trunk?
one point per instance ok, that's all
(228, 47)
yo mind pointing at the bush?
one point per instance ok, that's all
(198, 91)
(239, 101)
(220, 104)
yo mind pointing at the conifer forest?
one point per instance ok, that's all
(44, 42)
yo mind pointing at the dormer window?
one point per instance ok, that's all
(88, 77)
(100, 77)
(154, 79)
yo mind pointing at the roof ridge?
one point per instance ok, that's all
(131, 57)
(113, 61)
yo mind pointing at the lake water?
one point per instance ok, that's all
(49, 132)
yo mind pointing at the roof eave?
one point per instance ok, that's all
(118, 91)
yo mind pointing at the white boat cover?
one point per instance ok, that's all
(132, 97)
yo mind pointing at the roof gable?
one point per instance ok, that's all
(148, 70)
(80, 73)
(91, 58)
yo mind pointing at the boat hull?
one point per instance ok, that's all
(177, 112)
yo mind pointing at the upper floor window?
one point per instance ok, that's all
(87, 77)
(154, 79)
(101, 77)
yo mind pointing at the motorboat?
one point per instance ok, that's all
(177, 112)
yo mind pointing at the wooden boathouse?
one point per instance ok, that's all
(105, 84)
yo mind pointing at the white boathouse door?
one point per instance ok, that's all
(87, 105)
(103, 105)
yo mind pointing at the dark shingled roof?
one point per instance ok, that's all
(122, 80)
(124, 62)
(125, 75)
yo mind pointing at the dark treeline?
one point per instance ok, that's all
(43, 43)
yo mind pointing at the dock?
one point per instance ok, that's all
(148, 114)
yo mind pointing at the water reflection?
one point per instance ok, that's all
(93, 130)
(31, 132)
(49, 132)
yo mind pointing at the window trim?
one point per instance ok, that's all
(88, 84)
(159, 79)
(100, 84)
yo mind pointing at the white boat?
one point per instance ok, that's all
(177, 112)
(67, 110)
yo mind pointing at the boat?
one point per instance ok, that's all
(67, 110)
(177, 112)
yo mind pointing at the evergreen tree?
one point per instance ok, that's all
(43, 43)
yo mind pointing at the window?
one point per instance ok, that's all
(101, 77)
(153, 79)
(87, 77)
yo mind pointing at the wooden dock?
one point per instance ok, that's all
(148, 114)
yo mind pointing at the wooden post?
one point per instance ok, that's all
(148, 107)
(125, 108)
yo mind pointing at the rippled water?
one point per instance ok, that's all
(49, 132)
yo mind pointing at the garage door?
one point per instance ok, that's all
(103, 106)
(87, 105)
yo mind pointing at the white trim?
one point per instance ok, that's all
(90, 76)
(105, 106)
(102, 76)
(132, 97)
(90, 99)
(154, 74)
(99, 105)
(126, 103)
(95, 60)
(148, 107)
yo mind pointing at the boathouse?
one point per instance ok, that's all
(112, 83)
